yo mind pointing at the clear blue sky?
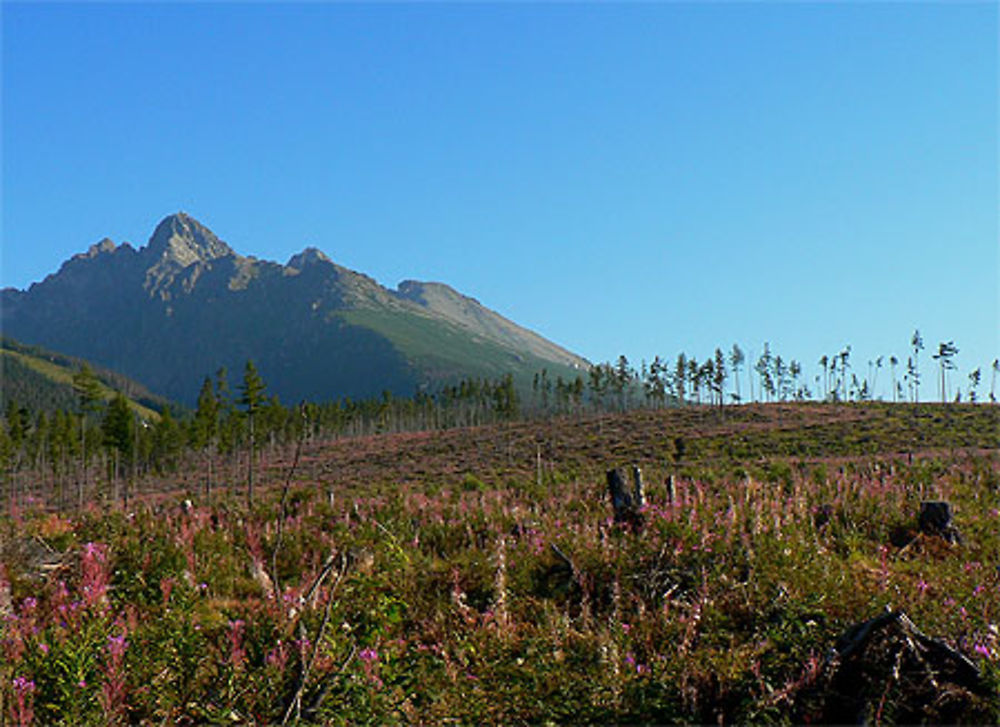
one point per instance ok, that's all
(629, 178)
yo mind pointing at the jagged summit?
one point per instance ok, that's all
(187, 304)
(309, 256)
(182, 239)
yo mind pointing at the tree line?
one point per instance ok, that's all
(731, 377)
(108, 444)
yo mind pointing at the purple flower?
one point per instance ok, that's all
(23, 685)
(237, 654)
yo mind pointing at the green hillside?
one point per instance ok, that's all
(42, 380)
(441, 348)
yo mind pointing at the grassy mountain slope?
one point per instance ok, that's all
(43, 381)
(435, 347)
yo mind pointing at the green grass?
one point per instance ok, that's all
(447, 351)
(62, 376)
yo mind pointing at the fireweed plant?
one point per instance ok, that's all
(491, 601)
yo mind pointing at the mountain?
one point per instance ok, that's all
(42, 380)
(172, 312)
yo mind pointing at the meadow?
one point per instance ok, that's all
(477, 576)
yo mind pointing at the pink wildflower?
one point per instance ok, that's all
(113, 689)
(22, 711)
(237, 654)
(95, 579)
(369, 660)
(278, 656)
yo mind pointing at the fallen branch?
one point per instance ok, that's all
(296, 703)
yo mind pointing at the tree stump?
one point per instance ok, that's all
(627, 502)
(936, 519)
(638, 494)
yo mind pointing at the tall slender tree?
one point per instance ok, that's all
(795, 371)
(251, 397)
(206, 428)
(680, 376)
(946, 352)
(845, 358)
(892, 367)
(719, 377)
(763, 369)
(88, 392)
(917, 342)
(975, 378)
(117, 429)
(736, 359)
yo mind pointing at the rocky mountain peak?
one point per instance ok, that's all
(309, 256)
(181, 239)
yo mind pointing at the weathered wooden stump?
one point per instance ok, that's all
(638, 493)
(627, 502)
(936, 519)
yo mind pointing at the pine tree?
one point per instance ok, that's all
(946, 351)
(918, 345)
(117, 429)
(736, 359)
(251, 398)
(205, 430)
(88, 391)
(892, 367)
(117, 426)
(975, 378)
(719, 377)
(680, 375)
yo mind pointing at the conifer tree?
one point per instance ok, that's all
(946, 351)
(117, 429)
(680, 375)
(251, 398)
(918, 345)
(88, 391)
(719, 377)
(736, 359)
(205, 428)
(892, 367)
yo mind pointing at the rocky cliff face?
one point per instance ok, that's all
(187, 304)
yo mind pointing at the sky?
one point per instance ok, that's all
(623, 178)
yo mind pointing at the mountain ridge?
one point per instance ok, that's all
(187, 303)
